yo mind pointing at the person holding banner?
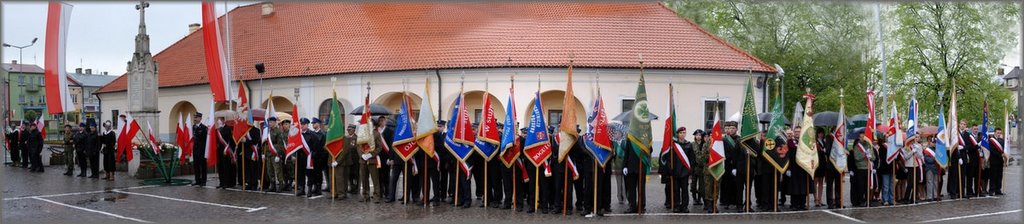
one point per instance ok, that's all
(997, 161)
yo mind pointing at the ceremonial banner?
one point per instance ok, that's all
(807, 150)
(217, 69)
(405, 138)
(487, 136)
(598, 138)
(58, 98)
(509, 146)
(567, 128)
(426, 125)
(455, 137)
(336, 129)
(839, 154)
(775, 144)
(894, 135)
(716, 156)
(748, 122)
(639, 132)
(537, 146)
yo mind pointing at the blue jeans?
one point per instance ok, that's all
(887, 189)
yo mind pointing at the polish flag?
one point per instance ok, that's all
(129, 128)
(216, 63)
(211, 138)
(152, 140)
(58, 98)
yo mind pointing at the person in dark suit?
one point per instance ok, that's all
(33, 142)
(15, 146)
(252, 159)
(384, 141)
(225, 156)
(636, 186)
(970, 166)
(584, 183)
(798, 185)
(439, 166)
(734, 179)
(92, 150)
(316, 152)
(199, 133)
(996, 163)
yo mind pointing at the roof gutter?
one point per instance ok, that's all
(437, 73)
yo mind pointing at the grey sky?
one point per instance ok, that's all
(102, 34)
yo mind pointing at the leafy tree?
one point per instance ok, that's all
(947, 45)
(823, 46)
(30, 115)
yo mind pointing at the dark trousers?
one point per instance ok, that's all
(94, 163)
(198, 167)
(109, 165)
(385, 175)
(682, 192)
(495, 187)
(226, 171)
(439, 182)
(636, 190)
(833, 184)
(478, 175)
(729, 189)
(858, 187)
(768, 188)
(316, 175)
(563, 187)
(300, 170)
(995, 181)
(415, 181)
(953, 178)
(970, 178)
(507, 180)
(464, 197)
(604, 188)
(26, 156)
(395, 173)
(82, 160)
(15, 153)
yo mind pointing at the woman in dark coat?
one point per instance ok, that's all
(108, 140)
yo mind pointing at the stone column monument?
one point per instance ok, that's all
(142, 78)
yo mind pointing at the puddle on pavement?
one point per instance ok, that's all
(115, 197)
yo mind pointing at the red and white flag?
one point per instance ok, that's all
(180, 138)
(129, 128)
(152, 139)
(41, 126)
(217, 69)
(295, 140)
(212, 137)
(58, 98)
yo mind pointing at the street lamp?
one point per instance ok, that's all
(7, 86)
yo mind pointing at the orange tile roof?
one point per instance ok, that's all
(303, 39)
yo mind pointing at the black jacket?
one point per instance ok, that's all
(108, 140)
(199, 133)
(33, 141)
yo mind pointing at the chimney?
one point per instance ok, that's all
(14, 61)
(104, 73)
(999, 72)
(193, 27)
(78, 70)
(88, 71)
(268, 8)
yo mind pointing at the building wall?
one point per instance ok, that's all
(692, 89)
(30, 87)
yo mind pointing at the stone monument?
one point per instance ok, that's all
(142, 78)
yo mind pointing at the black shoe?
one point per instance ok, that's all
(519, 209)
(505, 206)
(300, 193)
(466, 205)
(529, 211)
(65, 173)
(681, 210)
(81, 175)
(94, 176)
(630, 210)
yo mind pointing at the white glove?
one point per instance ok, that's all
(391, 162)
(277, 159)
(264, 157)
(293, 158)
(334, 164)
(625, 171)
(961, 161)
(734, 172)
(787, 173)
(851, 174)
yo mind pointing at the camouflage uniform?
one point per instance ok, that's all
(69, 152)
(275, 163)
(697, 186)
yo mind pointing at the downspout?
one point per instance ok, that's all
(437, 73)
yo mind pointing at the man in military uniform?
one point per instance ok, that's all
(288, 167)
(301, 161)
(369, 162)
(199, 133)
(69, 149)
(316, 150)
(272, 154)
(700, 159)
(343, 163)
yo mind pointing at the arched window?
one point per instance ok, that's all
(324, 111)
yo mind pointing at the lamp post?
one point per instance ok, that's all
(7, 86)
(259, 69)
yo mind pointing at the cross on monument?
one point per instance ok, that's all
(142, 15)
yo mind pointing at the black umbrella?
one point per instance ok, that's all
(827, 118)
(625, 116)
(766, 118)
(375, 109)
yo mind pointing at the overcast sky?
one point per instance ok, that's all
(102, 34)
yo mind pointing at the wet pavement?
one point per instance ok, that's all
(53, 198)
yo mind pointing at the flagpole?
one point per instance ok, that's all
(426, 172)
(565, 184)
(775, 190)
(243, 165)
(714, 197)
(746, 204)
(295, 189)
(457, 180)
(405, 184)
(536, 187)
(643, 175)
(594, 189)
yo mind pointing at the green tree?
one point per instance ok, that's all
(824, 46)
(941, 44)
(30, 115)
